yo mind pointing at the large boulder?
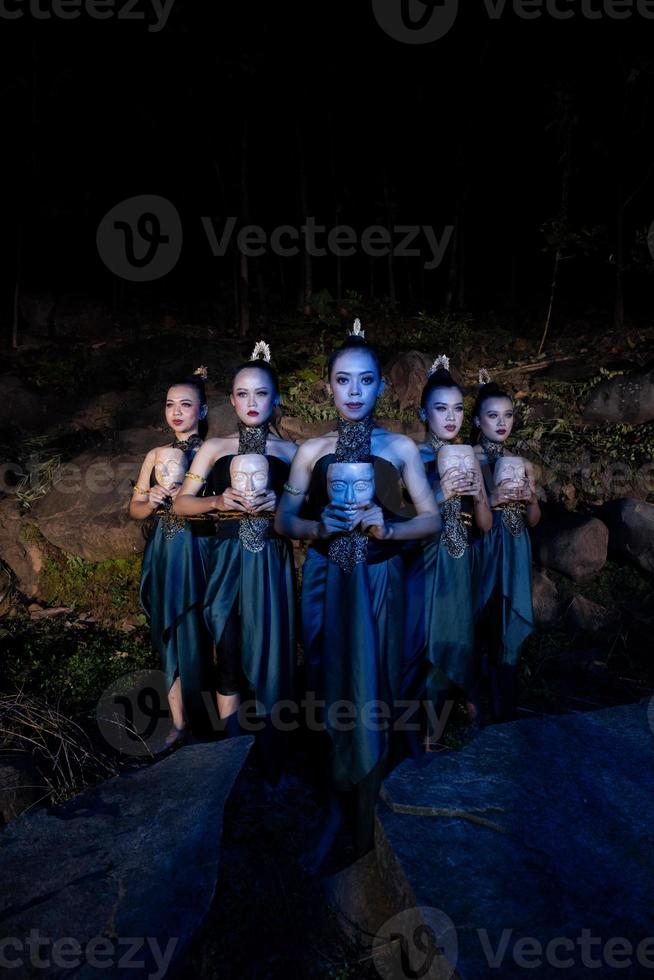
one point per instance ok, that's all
(85, 512)
(631, 530)
(504, 847)
(588, 616)
(22, 547)
(627, 398)
(136, 856)
(571, 544)
(545, 599)
(406, 375)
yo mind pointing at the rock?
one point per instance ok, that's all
(540, 410)
(138, 442)
(571, 544)
(21, 786)
(39, 613)
(31, 411)
(631, 530)
(406, 375)
(22, 547)
(357, 892)
(491, 850)
(136, 856)
(627, 398)
(108, 410)
(85, 512)
(299, 430)
(545, 599)
(583, 614)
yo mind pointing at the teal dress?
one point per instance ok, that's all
(172, 586)
(353, 644)
(249, 602)
(503, 604)
(439, 623)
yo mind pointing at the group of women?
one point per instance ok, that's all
(416, 582)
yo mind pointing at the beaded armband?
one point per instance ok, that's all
(136, 489)
(294, 490)
(194, 476)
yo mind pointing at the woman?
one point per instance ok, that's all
(440, 580)
(172, 577)
(352, 589)
(250, 598)
(504, 602)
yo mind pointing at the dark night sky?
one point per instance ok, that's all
(478, 127)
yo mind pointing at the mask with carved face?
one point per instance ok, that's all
(351, 483)
(512, 469)
(249, 473)
(461, 458)
(169, 467)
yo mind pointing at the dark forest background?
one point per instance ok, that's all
(532, 138)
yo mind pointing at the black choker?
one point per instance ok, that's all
(354, 440)
(252, 438)
(492, 449)
(193, 442)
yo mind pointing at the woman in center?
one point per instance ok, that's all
(352, 588)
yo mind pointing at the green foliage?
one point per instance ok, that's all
(109, 589)
(68, 665)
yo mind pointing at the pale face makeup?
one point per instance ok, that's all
(249, 473)
(169, 467)
(355, 384)
(460, 458)
(444, 411)
(183, 410)
(351, 484)
(511, 469)
(496, 418)
(253, 396)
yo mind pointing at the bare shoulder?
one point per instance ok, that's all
(284, 448)
(310, 451)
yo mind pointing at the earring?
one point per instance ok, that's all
(203, 412)
(423, 415)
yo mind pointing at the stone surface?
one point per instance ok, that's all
(583, 614)
(85, 512)
(21, 786)
(538, 828)
(406, 375)
(626, 398)
(545, 599)
(571, 544)
(631, 530)
(136, 856)
(20, 549)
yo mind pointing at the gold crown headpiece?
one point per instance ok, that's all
(202, 372)
(356, 330)
(484, 377)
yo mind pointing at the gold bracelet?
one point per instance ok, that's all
(294, 490)
(136, 489)
(194, 476)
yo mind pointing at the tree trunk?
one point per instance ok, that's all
(243, 271)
